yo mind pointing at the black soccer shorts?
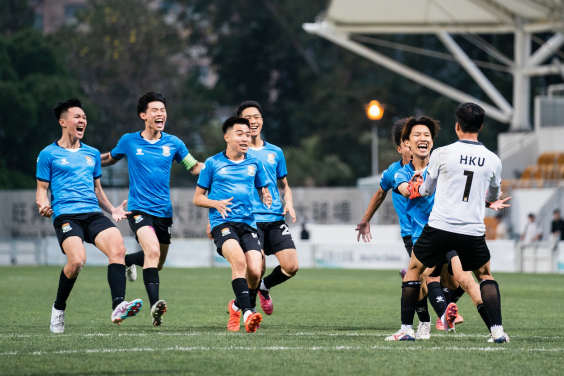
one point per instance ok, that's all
(434, 244)
(274, 237)
(408, 243)
(245, 235)
(162, 226)
(85, 225)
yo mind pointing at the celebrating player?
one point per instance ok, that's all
(72, 170)
(463, 173)
(150, 154)
(274, 234)
(230, 177)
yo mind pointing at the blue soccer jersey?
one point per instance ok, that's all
(223, 179)
(149, 166)
(418, 209)
(70, 175)
(274, 164)
(400, 202)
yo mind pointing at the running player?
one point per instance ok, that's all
(72, 171)
(274, 234)
(463, 174)
(230, 177)
(150, 154)
(400, 204)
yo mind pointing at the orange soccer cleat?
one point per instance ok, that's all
(439, 324)
(252, 322)
(234, 322)
(459, 319)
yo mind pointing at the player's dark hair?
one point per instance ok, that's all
(248, 104)
(62, 107)
(427, 121)
(152, 96)
(229, 123)
(470, 117)
(396, 130)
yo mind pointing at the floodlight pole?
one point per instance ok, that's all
(374, 148)
(521, 82)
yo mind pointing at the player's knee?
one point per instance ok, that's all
(253, 274)
(290, 270)
(153, 252)
(77, 265)
(119, 251)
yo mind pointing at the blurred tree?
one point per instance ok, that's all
(16, 15)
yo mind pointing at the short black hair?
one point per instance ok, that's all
(556, 211)
(62, 107)
(247, 104)
(396, 130)
(531, 215)
(152, 96)
(229, 123)
(470, 117)
(429, 122)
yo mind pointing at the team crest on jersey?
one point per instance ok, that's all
(225, 232)
(138, 218)
(251, 170)
(64, 161)
(89, 161)
(166, 151)
(66, 227)
(140, 152)
(271, 159)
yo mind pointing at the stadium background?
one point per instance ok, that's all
(314, 66)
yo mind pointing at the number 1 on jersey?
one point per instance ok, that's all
(469, 177)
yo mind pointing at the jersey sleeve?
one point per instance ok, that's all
(387, 180)
(181, 151)
(496, 178)
(260, 176)
(98, 166)
(119, 151)
(206, 175)
(44, 167)
(281, 171)
(402, 176)
(433, 167)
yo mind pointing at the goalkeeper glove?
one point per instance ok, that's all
(413, 188)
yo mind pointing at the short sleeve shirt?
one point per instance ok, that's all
(400, 202)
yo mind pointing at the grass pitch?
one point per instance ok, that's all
(325, 322)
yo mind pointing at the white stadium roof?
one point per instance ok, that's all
(345, 18)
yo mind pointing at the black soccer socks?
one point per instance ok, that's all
(253, 297)
(275, 278)
(409, 295)
(422, 311)
(65, 288)
(151, 280)
(116, 279)
(137, 258)
(492, 301)
(241, 290)
(437, 298)
(455, 295)
(484, 314)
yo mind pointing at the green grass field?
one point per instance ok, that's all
(325, 322)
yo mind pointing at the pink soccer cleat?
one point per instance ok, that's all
(266, 302)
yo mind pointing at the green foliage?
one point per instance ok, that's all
(10, 179)
(15, 15)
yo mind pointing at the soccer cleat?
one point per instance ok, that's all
(266, 301)
(403, 272)
(234, 322)
(459, 320)
(57, 320)
(500, 337)
(157, 311)
(439, 324)
(131, 273)
(423, 330)
(450, 317)
(491, 338)
(252, 322)
(401, 335)
(125, 310)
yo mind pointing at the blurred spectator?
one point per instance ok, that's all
(305, 233)
(557, 228)
(501, 230)
(531, 231)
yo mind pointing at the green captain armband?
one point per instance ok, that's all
(189, 161)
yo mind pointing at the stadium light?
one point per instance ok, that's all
(374, 111)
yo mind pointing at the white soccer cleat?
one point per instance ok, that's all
(401, 335)
(125, 310)
(500, 337)
(57, 320)
(157, 311)
(490, 339)
(423, 330)
(131, 273)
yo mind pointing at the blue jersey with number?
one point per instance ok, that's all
(70, 175)
(149, 170)
(400, 202)
(224, 178)
(418, 209)
(274, 164)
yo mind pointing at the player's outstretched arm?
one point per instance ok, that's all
(195, 170)
(42, 200)
(222, 206)
(404, 189)
(107, 160)
(118, 213)
(286, 192)
(363, 227)
(499, 204)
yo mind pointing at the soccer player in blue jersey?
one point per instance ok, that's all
(150, 154)
(230, 178)
(274, 234)
(72, 171)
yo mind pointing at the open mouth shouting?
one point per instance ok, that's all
(80, 130)
(423, 147)
(159, 123)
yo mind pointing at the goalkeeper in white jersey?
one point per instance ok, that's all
(467, 179)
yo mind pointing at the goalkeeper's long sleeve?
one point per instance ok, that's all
(493, 194)
(428, 186)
